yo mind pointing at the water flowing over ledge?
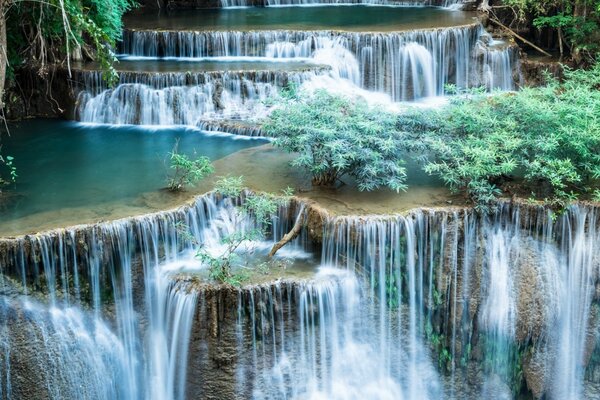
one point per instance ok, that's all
(406, 65)
(443, 297)
(183, 98)
(400, 66)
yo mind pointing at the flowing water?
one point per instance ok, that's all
(382, 53)
(434, 304)
(454, 4)
(398, 309)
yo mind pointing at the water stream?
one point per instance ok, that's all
(433, 304)
(392, 54)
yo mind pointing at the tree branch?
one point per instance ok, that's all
(291, 235)
(521, 38)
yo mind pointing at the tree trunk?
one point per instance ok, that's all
(560, 42)
(3, 50)
(485, 6)
(327, 179)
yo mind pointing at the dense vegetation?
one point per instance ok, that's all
(575, 24)
(336, 136)
(41, 32)
(547, 137)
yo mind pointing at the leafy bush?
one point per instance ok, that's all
(187, 172)
(46, 31)
(550, 136)
(335, 136)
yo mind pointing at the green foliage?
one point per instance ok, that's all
(549, 136)
(45, 31)
(220, 266)
(577, 22)
(186, 171)
(8, 163)
(335, 136)
(230, 186)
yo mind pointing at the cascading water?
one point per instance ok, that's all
(387, 62)
(405, 65)
(408, 296)
(182, 98)
(132, 344)
(403, 307)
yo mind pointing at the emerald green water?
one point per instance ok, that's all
(347, 18)
(65, 165)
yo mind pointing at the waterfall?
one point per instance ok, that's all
(394, 66)
(384, 62)
(402, 307)
(61, 349)
(118, 322)
(419, 66)
(182, 98)
(532, 276)
(579, 273)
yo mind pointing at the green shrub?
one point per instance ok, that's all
(335, 136)
(186, 171)
(46, 31)
(549, 136)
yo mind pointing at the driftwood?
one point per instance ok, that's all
(291, 235)
(521, 38)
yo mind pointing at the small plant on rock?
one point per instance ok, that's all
(186, 171)
(8, 163)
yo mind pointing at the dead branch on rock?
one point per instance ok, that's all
(291, 235)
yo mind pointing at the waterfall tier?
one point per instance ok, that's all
(125, 274)
(406, 65)
(423, 296)
(403, 54)
(184, 98)
(274, 3)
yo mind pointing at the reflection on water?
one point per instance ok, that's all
(355, 18)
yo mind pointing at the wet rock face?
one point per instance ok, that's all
(232, 327)
(535, 370)
(213, 354)
(534, 71)
(20, 352)
(536, 309)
